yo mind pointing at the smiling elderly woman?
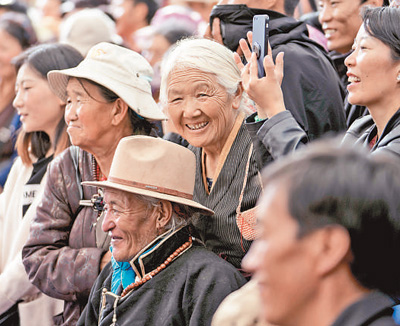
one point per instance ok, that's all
(160, 274)
(201, 89)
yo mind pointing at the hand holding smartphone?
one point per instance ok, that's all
(260, 40)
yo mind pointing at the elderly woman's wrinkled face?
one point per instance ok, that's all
(87, 114)
(129, 222)
(372, 72)
(201, 110)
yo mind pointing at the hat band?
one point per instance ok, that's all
(161, 190)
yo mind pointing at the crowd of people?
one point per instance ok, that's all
(150, 176)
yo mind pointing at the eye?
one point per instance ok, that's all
(176, 99)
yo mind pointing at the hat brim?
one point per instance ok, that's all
(143, 104)
(108, 184)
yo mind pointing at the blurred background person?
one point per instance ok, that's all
(43, 135)
(87, 27)
(132, 15)
(108, 97)
(16, 34)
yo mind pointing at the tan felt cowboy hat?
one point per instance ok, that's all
(153, 167)
(119, 69)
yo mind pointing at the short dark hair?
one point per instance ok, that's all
(290, 6)
(152, 7)
(43, 58)
(383, 23)
(330, 184)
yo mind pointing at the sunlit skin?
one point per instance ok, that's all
(201, 110)
(93, 124)
(131, 225)
(372, 74)
(39, 108)
(340, 20)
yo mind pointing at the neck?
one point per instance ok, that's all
(383, 112)
(104, 153)
(336, 294)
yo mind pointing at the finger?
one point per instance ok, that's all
(253, 67)
(216, 30)
(279, 66)
(245, 49)
(269, 66)
(207, 32)
(269, 48)
(250, 37)
(238, 61)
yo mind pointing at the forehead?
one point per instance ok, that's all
(82, 86)
(190, 77)
(273, 211)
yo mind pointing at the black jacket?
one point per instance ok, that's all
(187, 292)
(311, 87)
(375, 309)
(364, 129)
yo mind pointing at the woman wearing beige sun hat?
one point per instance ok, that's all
(160, 273)
(108, 97)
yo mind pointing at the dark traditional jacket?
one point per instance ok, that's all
(60, 256)
(364, 129)
(220, 232)
(375, 309)
(187, 292)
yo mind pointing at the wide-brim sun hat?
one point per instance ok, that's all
(118, 69)
(153, 167)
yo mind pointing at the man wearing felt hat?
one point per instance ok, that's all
(160, 273)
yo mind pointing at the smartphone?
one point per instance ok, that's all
(260, 40)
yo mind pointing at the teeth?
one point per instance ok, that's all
(197, 126)
(353, 79)
(328, 32)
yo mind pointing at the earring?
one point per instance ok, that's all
(398, 77)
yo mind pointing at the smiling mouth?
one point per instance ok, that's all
(329, 31)
(354, 79)
(197, 126)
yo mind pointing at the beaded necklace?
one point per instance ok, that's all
(99, 176)
(154, 272)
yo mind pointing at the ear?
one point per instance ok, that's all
(164, 216)
(334, 249)
(237, 97)
(119, 112)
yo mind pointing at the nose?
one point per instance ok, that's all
(350, 59)
(191, 109)
(325, 14)
(70, 112)
(108, 222)
(17, 102)
(251, 261)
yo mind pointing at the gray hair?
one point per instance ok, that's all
(205, 55)
(184, 217)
